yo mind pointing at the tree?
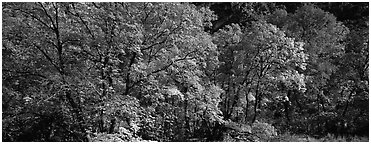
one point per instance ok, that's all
(112, 62)
(41, 41)
(261, 58)
(323, 36)
(183, 71)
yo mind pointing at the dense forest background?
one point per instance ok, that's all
(185, 71)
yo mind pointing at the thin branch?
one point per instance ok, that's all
(146, 13)
(127, 10)
(158, 43)
(26, 73)
(83, 22)
(47, 14)
(156, 71)
(42, 22)
(53, 44)
(56, 14)
(47, 57)
(91, 84)
(95, 5)
(167, 66)
(48, 97)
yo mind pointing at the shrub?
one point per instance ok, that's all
(263, 131)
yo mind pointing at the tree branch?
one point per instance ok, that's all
(47, 57)
(46, 12)
(42, 22)
(26, 73)
(127, 81)
(167, 66)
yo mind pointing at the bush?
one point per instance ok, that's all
(287, 137)
(104, 137)
(333, 138)
(123, 135)
(263, 131)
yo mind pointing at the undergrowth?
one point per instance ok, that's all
(328, 138)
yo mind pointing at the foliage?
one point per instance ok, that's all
(305, 138)
(259, 58)
(123, 136)
(184, 71)
(263, 131)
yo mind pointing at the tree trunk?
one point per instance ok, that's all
(246, 108)
(286, 105)
(287, 112)
(257, 101)
(247, 105)
(347, 104)
(187, 126)
(78, 112)
(299, 105)
(112, 126)
(101, 122)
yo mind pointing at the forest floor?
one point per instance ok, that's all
(280, 138)
(327, 138)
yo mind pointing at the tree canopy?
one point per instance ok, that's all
(122, 71)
